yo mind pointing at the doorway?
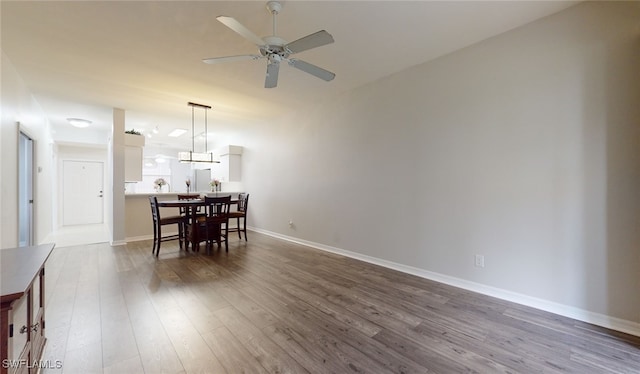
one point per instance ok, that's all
(25, 190)
(82, 192)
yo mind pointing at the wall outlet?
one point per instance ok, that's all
(480, 261)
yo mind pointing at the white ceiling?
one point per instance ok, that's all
(81, 59)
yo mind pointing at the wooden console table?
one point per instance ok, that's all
(22, 321)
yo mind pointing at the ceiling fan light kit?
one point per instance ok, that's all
(192, 156)
(275, 49)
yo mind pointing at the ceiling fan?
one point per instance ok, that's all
(275, 49)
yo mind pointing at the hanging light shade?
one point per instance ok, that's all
(192, 155)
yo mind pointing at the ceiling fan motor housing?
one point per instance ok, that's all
(274, 7)
(274, 49)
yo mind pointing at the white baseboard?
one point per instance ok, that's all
(146, 237)
(609, 322)
(138, 238)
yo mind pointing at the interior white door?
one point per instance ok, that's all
(83, 187)
(25, 190)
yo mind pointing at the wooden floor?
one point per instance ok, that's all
(272, 306)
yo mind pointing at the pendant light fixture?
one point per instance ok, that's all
(192, 156)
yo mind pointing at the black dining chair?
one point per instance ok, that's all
(240, 213)
(217, 221)
(159, 221)
(184, 212)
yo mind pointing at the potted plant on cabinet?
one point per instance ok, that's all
(133, 138)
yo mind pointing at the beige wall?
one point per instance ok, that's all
(19, 106)
(522, 148)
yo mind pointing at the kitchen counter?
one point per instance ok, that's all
(147, 194)
(138, 221)
(163, 194)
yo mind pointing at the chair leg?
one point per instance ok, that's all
(238, 227)
(226, 238)
(159, 240)
(181, 235)
(186, 237)
(188, 233)
(218, 235)
(155, 237)
(244, 227)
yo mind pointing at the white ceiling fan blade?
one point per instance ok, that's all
(272, 75)
(240, 29)
(217, 60)
(312, 69)
(314, 40)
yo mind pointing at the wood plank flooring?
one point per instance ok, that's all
(269, 306)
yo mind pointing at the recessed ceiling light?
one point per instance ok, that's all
(177, 132)
(79, 122)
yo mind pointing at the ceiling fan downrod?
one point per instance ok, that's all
(274, 8)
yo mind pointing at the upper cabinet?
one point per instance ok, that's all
(133, 145)
(230, 162)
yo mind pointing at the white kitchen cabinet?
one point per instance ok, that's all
(133, 157)
(132, 164)
(229, 168)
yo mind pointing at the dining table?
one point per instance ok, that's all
(190, 207)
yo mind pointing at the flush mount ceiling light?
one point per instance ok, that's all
(79, 122)
(192, 156)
